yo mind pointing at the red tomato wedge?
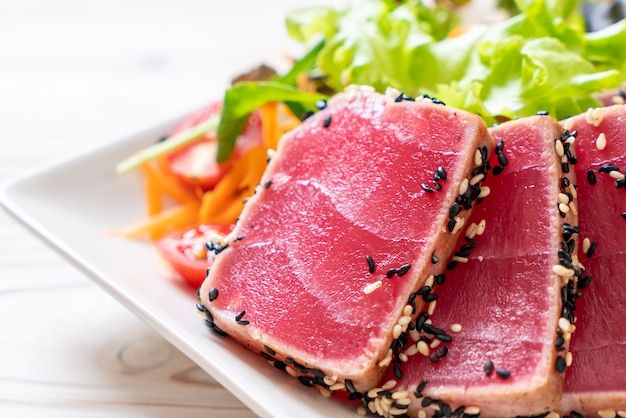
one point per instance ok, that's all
(186, 253)
(195, 164)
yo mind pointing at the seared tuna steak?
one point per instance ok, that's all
(352, 215)
(595, 384)
(501, 303)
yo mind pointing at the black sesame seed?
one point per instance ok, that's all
(219, 331)
(162, 139)
(426, 401)
(488, 367)
(434, 259)
(503, 373)
(397, 372)
(317, 373)
(327, 121)
(440, 279)
(565, 167)
(452, 265)
(391, 272)
(437, 186)
(591, 250)
(443, 351)
(502, 160)
(267, 356)
(321, 104)
(350, 386)
(584, 282)
(433, 358)
(213, 293)
(542, 113)
(270, 350)
(575, 414)
(280, 365)
(565, 182)
(446, 410)
(306, 381)
(497, 170)
(458, 412)
(209, 323)
(370, 264)
(420, 321)
(399, 98)
(427, 188)
(575, 229)
(399, 405)
(607, 168)
(560, 364)
(455, 209)
(445, 338)
(559, 341)
(306, 115)
(267, 184)
(240, 315)
(624, 215)
(451, 225)
(442, 173)
(403, 270)
(424, 290)
(243, 322)
(430, 297)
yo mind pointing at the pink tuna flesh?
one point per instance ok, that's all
(507, 303)
(337, 195)
(596, 380)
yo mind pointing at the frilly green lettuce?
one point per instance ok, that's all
(540, 59)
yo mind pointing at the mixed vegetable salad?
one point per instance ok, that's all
(541, 58)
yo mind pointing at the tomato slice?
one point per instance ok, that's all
(196, 164)
(186, 253)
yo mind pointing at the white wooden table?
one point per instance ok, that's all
(74, 74)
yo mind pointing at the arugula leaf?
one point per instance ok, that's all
(242, 98)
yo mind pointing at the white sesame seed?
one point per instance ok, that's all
(392, 93)
(553, 415)
(477, 178)
(568, 124)
(328, 381)
(404, 320)
(434, 406)
(403, 357)
(480, 258)
(617, 175)
(423, 349)
(397, 330)
(403, 401)
(471, 410)
(411, 351)
(601, 141)
(455, 327)
(371, 406)
(271, 152)
(435, 343)
(558, 147)
(564, 324)
(338, 386)
(563, 208)
(361, 411)
(589, 116)
(379, 407)
(458, 225)
(372, 393)
(478, 157)
(389, 384)
(430, 280)
(481, 227)
(385, 362)
(431, 307)
(463, 186)
(414, 334)
(484, 192)
(617, 100)
(562, 271)
(568, 359)
(397, 411)
(460, 259)
(325, 392)
(586, 245)
(408, 310)
(607, 413)
(471, 231)
(621, 414)
(573, 207)
(366, 88)
(421, 414)
(400, 394)
(372, 287)
(563, 198)
(570, 140)
(291, 371)
(598, 115)
(573, 192)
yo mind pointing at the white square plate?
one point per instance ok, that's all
(73, 204)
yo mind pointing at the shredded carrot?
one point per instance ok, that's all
(169, 184)
(286, 119)
(269, 121)
(157, 226)
(154, 201)
(224, 203)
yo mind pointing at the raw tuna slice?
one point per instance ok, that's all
(351, 216)
(501, 301)
(597, 379)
